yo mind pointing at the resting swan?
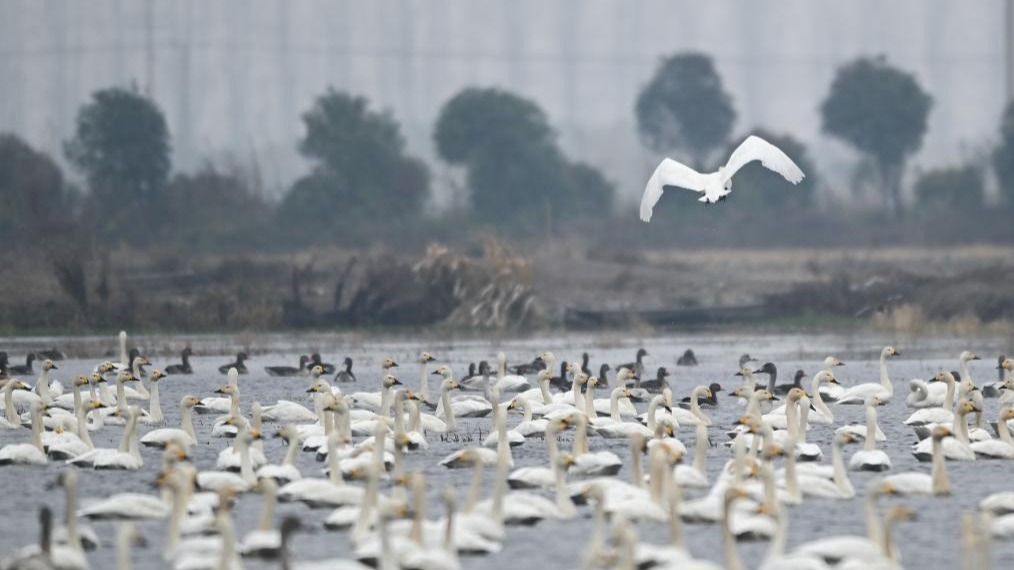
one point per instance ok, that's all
(870, 458)
(27, 453)
(185, 435)
(857, 394)
(1001, 448)
(936, 483)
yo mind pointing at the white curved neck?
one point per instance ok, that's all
(187, 421)
(804, 418)
(701, 448)
(636, 471)
(245, 465)
(575, 388)
(652, 410)
(268, 508)
(424, 384)
(873, 529)
(547, 398)
(885, 380)
(1002, 433)
(290, 453)
(776, 549)
(791, 479)
(334, 474)
(526, 406)
(841, 478)
(792, 419)
(695, 405)
(125, 440)
(154, 405)
(12, 414)
(961, 427)
(871, 428)
(941, 484)
(818, 400)
(732, 560)
(503, 456)
(445, 401)
(73, 540)
(949, 398)
(563, 501)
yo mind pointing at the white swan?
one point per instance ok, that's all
(12, 419)
(936, 483)
(242, 482)
(528, 427)
(540, 477)
(821, 413)
(937, 413)
(716, 186)
(285, 471)
(857, 394)
(323, 493)
(424, 377)
(221, 405)
(508, 382)
(839, 487)
(588, 464)
(185, 435)
(831, 392)
(956, 448)
(126, 456)
(263, 541)
(870, 458)
(1001, 448)
(834, 549)
(27, 453)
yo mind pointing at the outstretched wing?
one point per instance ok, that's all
(756, 148)
(668, 173)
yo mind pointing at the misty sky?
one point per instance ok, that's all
(234, 76)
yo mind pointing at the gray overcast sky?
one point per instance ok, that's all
(233, 76)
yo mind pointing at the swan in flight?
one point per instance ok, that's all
(715, 186)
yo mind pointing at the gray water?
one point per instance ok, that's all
(931, 541)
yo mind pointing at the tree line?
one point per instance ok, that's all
(363, 185)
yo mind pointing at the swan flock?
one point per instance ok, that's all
(416, 466)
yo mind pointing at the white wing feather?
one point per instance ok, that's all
(669, 173)
(756, 148)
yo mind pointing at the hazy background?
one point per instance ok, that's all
(233, 76)
(257, 164)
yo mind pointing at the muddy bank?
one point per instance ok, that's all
(494, 286)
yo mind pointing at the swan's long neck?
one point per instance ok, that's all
(104, 395)
(154, 406)
(776, 549)
(871, 428)
(290, 453)
(966, 375)
(695, 406)
(334, 470)
(77, 396)
(42, 385)
(424, 384)
(385, 402)
(474, 487)
(503, 456)
(121, 400)
(791, 479)
(187, 421)
(449, 419)
(12, 414)
(581, 439)
(701, 448)
(546, 397)
(563, 502)
(961, 427)
(132, 443)
(636, 471)
(589, 399)
(885, 380)
(234, 403)
(738, 459)
(526, 406)
(245, 465)
(141, 390)
(768, 479)
(941, 484)
(82, 426)
(123, 549)
(874, 530)
(949, 398)
(125, 439)
(732, 560)
(73, 539)
(399, 412)
(1001, 432)
(818, 401)
(792, 420)
(841, 478)
(418, 511)
(652, 408)
(124, 362)
(595, 546)
(804, 418)
(575, 388)
(227, 532)
(268, 508)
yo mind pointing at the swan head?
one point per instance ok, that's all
(890, 351)
(450, 384)
(156, 375)
(1006, 364)
(796, 394)
(317, 386)
(388, 364)
(873, 400)
(105, 368)
(844, 438)
(966, 406)
(126, 376)
(17, 385)
(826, 376)
(546, 358)
(81, 381)
(545, 375)
(574, 368)
(638, 442)
(426, 357)
(317, 371)
(565, 460)
(744, 372)
(944, 376)
(625, 374)
(286, 432)
(832, 361)
(593, 382)
(97, 378)
(390, 381)
(968, 356)
(1007, 414)
(48, 365)
(501, 358)
(228, 389)
(772, 451)
(189, 401)
(941, 432)
(444, 371)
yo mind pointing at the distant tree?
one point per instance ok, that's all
(685, 108)
(1003, 156)
(212, 208)
(882, 112)
(517, 175)
(758, 187)
(33, 196)
(121, 143)
(957, 188)
(361, 171)
(483, 121)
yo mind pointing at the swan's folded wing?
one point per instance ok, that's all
(756, 148)
(668, 173)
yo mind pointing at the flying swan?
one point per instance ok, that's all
(715, 186)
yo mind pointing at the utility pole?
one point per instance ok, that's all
(1009, 60)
